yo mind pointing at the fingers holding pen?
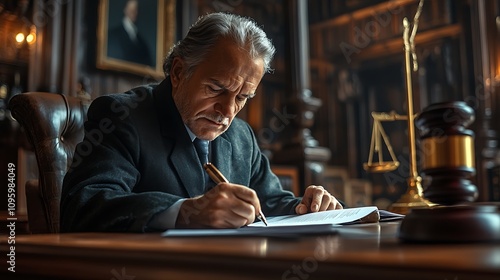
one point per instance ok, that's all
(238, 203)
(218, 177)
(225, 206)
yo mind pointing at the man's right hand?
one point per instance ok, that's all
(225, 206)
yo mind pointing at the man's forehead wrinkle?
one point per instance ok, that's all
(230, 83)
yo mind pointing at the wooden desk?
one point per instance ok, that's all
(369, 251)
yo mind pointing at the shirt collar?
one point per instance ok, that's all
(191, 134)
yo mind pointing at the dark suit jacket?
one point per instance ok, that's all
(137, 159)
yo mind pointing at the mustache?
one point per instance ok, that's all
(216, 118)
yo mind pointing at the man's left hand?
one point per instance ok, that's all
(316, 199)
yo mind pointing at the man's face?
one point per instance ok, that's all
(131, 10)
(217, 90)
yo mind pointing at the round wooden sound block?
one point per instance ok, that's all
(452, 224)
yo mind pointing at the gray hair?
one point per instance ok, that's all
(205, 32)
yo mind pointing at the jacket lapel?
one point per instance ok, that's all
(221, 156)
(186, 163)
(183, 155)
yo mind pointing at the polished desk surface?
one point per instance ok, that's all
(368, 251)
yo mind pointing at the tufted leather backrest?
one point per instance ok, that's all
(54, 126)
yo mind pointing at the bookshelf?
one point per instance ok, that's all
(372, 30)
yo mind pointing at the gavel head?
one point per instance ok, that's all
(447, 152)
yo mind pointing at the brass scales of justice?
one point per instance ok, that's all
(448, 213)
(413, 196)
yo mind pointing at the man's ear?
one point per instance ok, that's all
(176, 71)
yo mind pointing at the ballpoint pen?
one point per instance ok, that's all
(217, 176)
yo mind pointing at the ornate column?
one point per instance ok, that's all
(299, 147)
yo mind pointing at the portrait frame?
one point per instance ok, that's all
(159, 36)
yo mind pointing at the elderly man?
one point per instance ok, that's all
(139, 167)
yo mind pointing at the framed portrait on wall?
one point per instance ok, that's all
(134, 36)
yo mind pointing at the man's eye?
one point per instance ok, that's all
(243, 97)
(215, 89)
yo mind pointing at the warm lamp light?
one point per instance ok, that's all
(30, 38)
(19, 37)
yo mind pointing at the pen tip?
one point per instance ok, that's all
(262, 218)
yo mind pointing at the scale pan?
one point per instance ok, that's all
(381, 167)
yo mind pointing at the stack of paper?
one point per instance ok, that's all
(297, 225)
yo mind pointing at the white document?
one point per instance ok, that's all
(331, 217)
(293, 226)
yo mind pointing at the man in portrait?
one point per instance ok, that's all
(125, 42)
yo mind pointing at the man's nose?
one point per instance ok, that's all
(226, 106)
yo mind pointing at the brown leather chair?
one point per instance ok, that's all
(53, 124)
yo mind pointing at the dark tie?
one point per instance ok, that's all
(202, 150)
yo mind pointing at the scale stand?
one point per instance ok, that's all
(413, 196)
